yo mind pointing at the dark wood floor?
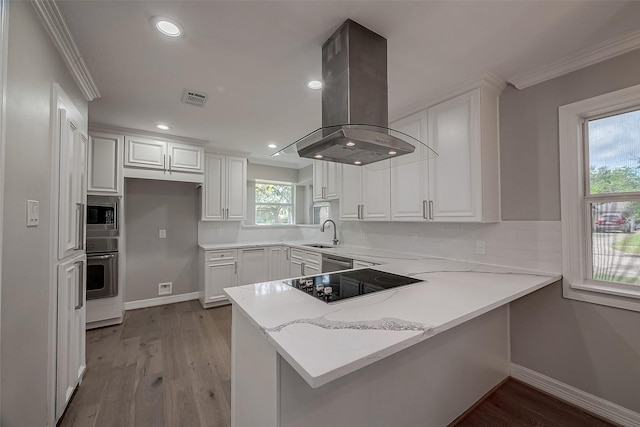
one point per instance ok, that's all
(171, 366)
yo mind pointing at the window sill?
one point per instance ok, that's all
(602, 295)
(269, 226)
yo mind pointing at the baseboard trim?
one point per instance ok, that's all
(152, 302)
(596, 405)
(103, 323)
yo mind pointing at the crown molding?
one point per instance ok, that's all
(61, 37)
(99, 127)
(488, 80)
(583, 58)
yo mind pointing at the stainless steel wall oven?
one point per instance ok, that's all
(102, 267)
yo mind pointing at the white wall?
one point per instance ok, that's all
(33, 64)
(150, 206)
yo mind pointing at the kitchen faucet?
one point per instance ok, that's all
(335, 229)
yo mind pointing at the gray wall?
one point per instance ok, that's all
(149, 207)
(33, 64)
(271, 173)
(591, 347)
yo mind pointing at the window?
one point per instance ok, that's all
(274, 203)
(600, 199)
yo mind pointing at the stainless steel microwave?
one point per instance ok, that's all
(102, 216)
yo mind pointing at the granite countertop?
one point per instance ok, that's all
(355, 252)
(323, 342)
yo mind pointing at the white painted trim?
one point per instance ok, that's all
(583, 58)
(103, 323)
(63, 40)
(594, 404)
(132, 172)
(152, 302)
(575, 286)
(97, 127)
(4, 48)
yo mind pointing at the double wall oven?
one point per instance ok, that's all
(102, 246)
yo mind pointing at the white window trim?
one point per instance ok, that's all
(574, 239)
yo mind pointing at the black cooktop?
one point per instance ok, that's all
(332, 287)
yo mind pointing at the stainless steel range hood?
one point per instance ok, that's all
(354, 103)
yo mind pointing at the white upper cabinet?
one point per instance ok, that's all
(72, 186)
(224, 193)
(326, 176)
(410, 174)
(365, 192)
(145, 153)
(104, 164)
(464, 179)
(165, 160)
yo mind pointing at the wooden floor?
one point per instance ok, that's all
(170, 366)
(164, 366)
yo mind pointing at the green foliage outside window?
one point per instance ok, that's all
(274, 203)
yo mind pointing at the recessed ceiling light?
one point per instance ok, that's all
(166, 26)
(276, 154)
(272, 146)
(315, 84)
(351, 144)
(163, 127)
(357, 162)
(392, 153)
(318, 156)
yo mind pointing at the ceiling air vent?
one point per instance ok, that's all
(194, 98)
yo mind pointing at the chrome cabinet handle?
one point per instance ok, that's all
(303, 266)
(78, 244)
(430, 209)
(424, 209)
(324, 192)
(80, 297)
(100, 256)
(227, 213)
(286, 251)
(221, 213)
(170, 163)
(235, 267)
(164, 162)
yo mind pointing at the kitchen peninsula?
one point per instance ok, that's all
(415, 355)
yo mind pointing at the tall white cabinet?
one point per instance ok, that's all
(67, 302)
(225, 188)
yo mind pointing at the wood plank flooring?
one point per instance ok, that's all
(164, 366)
(171, 366)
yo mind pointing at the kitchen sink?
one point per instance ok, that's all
(318, 245)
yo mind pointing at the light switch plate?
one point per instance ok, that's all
(163, 234)
(480, 247)
(33, 213)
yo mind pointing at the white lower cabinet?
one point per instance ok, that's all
(252, 266)
(218, 270)
(279, 262)
(305, 263)
(71, 316)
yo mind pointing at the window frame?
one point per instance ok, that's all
(576, 232)
(292, 204)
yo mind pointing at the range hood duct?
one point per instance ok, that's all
(355, 102)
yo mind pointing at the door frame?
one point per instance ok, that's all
(4, 47)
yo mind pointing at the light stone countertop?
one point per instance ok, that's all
(355, 252)
(323, 342)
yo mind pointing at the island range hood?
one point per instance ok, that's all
(354, 103)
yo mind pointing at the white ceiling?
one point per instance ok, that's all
(254, 58)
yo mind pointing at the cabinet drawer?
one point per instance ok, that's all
(220, 255)
(314, 257)
(297, 253)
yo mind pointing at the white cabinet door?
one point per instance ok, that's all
(350, 192)
(454, 176)
(70, 360)
(213, 189)
(326, 178)
(252, 266)
(185, 158)
(71, 187)
(376, 191)
(219, 275)
(105, 166)
(278, 262)
(311, 269)
(145, 153)
(409, 174)
(236, 188)
(296, 267)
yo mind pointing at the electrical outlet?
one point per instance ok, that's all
(162, 234)
(33, 213)
(165, 288)
(480, 247)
